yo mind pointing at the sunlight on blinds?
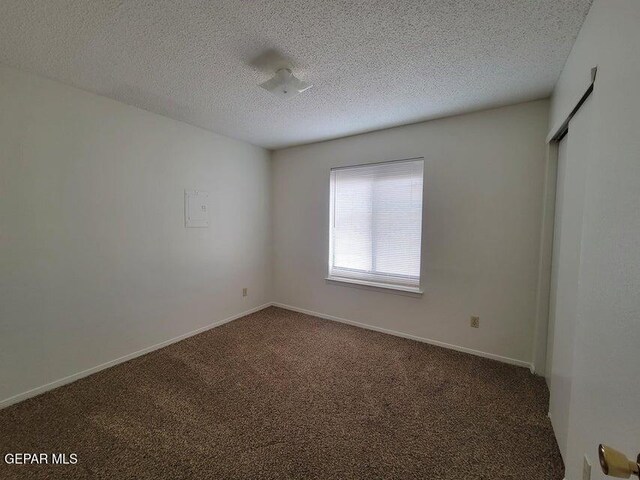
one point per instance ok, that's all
(376, 222)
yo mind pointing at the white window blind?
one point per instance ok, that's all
(376, 224)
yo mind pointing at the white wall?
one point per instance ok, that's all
(95, 261)
(605, 369)
(484, 176)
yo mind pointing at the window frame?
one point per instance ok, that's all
(368, 283)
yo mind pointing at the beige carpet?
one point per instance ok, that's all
(279, 394)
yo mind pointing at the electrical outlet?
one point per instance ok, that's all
(475, 322)
(586, 469)
(244, 292)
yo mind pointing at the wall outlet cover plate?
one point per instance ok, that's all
(586, 469)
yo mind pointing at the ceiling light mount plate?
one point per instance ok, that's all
(285, 84)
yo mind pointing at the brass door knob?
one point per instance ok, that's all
(616, 464)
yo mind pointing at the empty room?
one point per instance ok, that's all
(329, 239)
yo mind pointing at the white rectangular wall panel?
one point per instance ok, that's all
(196, 209)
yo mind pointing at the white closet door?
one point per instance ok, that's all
(565, 270)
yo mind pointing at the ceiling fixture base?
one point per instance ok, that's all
(285, 84)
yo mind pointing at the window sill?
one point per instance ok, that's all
(398, 289)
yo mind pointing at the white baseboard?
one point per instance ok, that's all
(511, 361)
(77, 376)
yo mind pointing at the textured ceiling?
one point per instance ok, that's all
(374, 64)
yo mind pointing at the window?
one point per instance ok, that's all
(376, 224)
